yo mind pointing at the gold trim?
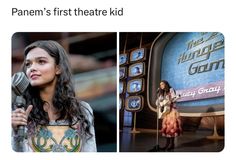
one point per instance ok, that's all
(209, 114)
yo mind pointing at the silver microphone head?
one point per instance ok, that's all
(19, 83)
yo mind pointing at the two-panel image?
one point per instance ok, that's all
(167, 96)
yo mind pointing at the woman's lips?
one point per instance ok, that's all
(34, 76)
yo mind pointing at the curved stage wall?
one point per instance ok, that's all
(193, 63)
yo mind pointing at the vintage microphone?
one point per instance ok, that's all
(19, 84)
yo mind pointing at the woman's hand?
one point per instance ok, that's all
(19, 117)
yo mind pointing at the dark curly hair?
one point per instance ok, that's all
(64, 99)
(166, 90)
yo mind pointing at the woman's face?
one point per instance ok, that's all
(162, 85)
(41, 69)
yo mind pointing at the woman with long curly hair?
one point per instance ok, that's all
(55, 120)
(171, 123)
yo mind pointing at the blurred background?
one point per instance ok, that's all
(93, 61)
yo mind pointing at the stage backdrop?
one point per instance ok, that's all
(193, 64)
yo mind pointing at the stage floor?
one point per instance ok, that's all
(187, 142)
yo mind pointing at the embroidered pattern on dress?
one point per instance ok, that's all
(45, 141)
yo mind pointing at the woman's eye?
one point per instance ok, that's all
(27, 64)
(42, 62)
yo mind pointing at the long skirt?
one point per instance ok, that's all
(171, 124)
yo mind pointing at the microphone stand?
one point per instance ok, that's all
(19, 85)
(157, 148)
(20, 103)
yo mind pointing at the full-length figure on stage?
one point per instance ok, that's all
(171, 123)
(54, 119)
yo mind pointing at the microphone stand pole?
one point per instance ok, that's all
(20, 103)
(156, 148)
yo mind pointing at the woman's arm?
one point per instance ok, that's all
(157, 102)
(172, 93)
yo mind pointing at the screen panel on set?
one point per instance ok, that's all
(192, 60)
(137, 55)
(136, 69)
